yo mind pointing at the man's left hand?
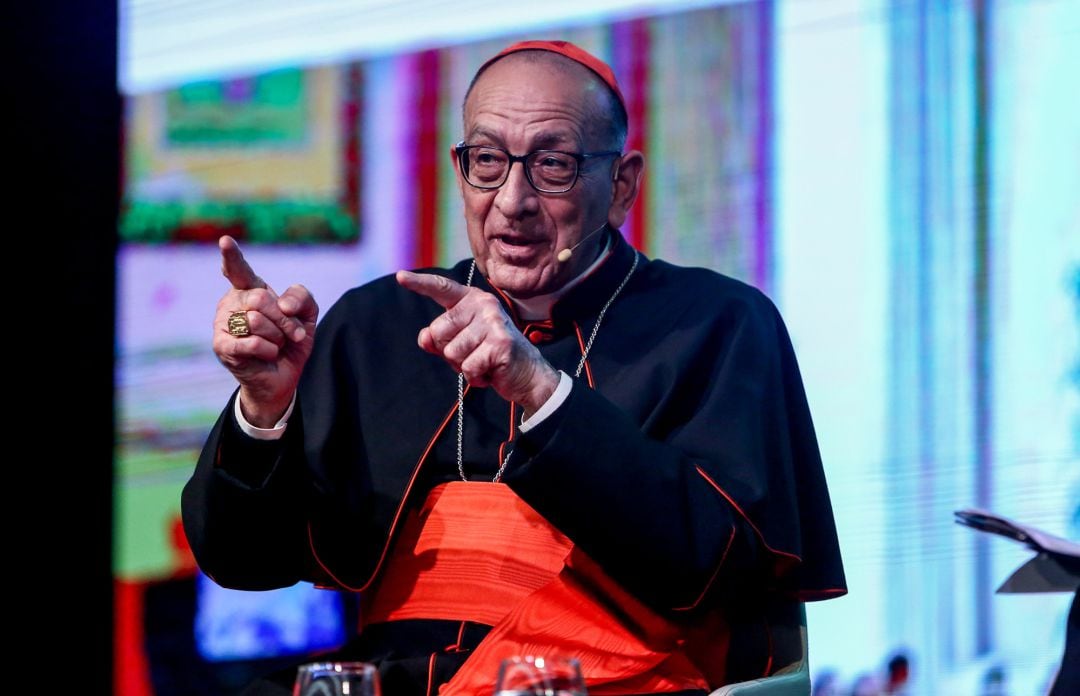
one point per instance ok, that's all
(476, 337)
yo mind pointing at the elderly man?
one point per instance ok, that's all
(590, 453)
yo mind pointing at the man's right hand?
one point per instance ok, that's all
(267, 362)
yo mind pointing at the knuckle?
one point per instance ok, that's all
(265, 350)
(492, 315)
(264, 325)
(258, 297)
(450, 320)
(474, 367)
(231, 301)
(229, 349)
(456, 352)
(304, 295)
(479, 302)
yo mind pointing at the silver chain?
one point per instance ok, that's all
(577, 373)
(600, 316)
(461, 401)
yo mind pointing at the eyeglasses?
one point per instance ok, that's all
(548, 171)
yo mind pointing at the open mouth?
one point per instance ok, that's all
(516, 241)
(518, 249)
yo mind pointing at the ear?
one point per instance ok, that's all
(454, 164)
(626, 182)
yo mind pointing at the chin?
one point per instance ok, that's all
(523, 282)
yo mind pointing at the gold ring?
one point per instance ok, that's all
(238, 324)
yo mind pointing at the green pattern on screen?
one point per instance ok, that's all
(259, 110)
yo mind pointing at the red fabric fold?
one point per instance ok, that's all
(471, 552)
(477, 552)
(622, 646)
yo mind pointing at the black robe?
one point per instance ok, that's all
(690, 473)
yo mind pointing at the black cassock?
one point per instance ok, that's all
(690, 470)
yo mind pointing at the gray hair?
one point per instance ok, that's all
(608, 123)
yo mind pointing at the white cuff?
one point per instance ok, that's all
(554, 401)
(250, 430)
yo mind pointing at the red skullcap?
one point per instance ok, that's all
(574, 53)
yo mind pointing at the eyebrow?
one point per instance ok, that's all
(544, 140)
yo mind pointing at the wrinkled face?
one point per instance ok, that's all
(516, 232)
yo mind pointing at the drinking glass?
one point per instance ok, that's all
(337, 679)
(533, 675)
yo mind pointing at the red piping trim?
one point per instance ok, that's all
(397, 515)
(581, 345)
(812, 595)
(430, 673)
(509, 303)
(509, 436)
(456, 647)
(760, 536)
(708, 585)
(769, 662)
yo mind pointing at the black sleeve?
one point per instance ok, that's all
(245, 507)
(267, 514)
(724, 501)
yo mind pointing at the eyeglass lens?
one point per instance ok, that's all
(487, 167)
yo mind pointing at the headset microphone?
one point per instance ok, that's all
(565, 254)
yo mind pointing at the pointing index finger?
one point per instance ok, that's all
(443, 290)
(235, 268)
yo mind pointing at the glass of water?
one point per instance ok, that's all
(337, 679)
(533, 675)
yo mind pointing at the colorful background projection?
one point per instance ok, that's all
(901, 177)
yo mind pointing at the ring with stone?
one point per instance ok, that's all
(238, 324)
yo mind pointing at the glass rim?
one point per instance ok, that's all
(530, 657)
(336, 666)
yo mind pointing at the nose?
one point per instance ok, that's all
(516, 198)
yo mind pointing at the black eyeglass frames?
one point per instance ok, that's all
(548, 171)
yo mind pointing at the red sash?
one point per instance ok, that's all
(477, 552)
